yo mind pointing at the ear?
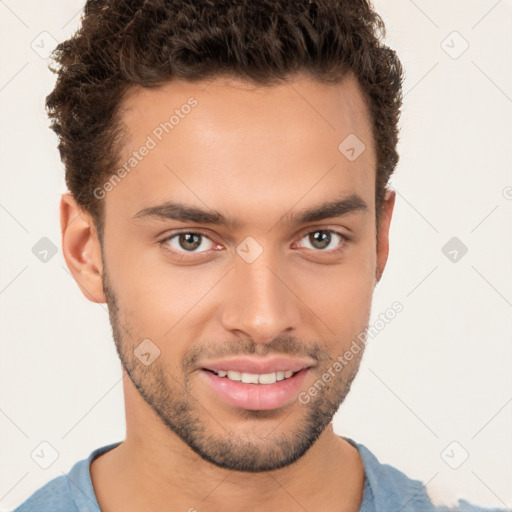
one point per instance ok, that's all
(81, 248)
(383, 239)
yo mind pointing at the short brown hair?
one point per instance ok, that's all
(127, 43)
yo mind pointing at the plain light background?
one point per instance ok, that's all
(435, 385)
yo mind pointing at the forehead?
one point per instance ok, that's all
(227, 144)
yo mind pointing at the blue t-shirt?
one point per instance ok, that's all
(386, 489)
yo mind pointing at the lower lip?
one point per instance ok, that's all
(256, 397)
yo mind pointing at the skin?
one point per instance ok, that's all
(255, 154)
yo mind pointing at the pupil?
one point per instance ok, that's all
(324, 239)
(189, 241)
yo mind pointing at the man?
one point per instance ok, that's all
(227, 165)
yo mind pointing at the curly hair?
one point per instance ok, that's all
(122, 44)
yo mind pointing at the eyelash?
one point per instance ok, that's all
(344, 240)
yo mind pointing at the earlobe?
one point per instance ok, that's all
(81, 248)
(383, 239)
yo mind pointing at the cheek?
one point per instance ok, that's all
(340, 301)
(340, 294)
(159, 300)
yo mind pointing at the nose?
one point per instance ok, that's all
(259, 300)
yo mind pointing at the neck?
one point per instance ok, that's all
(155, 470)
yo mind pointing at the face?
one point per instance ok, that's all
(242, 241)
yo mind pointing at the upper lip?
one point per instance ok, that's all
(258, 366)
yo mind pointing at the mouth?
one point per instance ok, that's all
(255, 391)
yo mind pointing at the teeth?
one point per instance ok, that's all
(268, 378)
(250, 378)
(254, 378)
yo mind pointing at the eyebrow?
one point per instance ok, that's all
(185, 213)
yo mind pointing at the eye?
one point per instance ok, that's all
(188, 242)
(326, 240)
(192, 242)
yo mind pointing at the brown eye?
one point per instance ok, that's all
(188, 242)
(324, 239)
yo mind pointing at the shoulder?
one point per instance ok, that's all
(54, 496)
(388, 488)
(71, 492)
